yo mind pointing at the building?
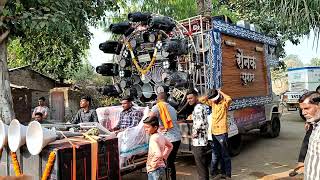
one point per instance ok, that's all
(21, 97)
(25, 80)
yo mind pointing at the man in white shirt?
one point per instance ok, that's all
(199, 135)
(41, 108)
(309, 104)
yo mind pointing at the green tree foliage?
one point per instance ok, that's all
(293, 61)
(177, 9)
(86, 76)
(87, 80)
(51, 35)
(285, 19)
(315, 61)
(16, 57)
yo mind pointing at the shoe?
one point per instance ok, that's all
(223, 176)
(215, 177)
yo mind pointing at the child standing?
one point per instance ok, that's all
(159, 149)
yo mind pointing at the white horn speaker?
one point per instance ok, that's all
(16, 135)
(3, 134)
(38, 137)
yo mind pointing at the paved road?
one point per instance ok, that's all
(259, 156)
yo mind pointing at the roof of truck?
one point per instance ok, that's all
(302, 68)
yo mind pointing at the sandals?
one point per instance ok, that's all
(294, 172)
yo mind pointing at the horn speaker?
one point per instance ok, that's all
(16, 135)
(37, 137)
(3, 134)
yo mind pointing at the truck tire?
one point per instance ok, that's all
(272, 128)
(275, 127)
(235, 144)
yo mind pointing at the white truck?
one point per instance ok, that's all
(300, 80)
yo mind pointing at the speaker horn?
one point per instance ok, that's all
(37, 137)
(3, 134)
(16, 135)
(147, 90)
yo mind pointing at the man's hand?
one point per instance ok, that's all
(306, 126)
(194, 135)
(162, 129)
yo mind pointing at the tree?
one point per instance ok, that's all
(292, 61)
(53, 35)
(285, 19)
(315, 61)
(177, 9)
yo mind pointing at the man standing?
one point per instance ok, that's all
(199, 135)
(304, 146)
(129, 117)
(41, 108)
(220, 103)
(309, 104)
(169, 127)
(85, 114)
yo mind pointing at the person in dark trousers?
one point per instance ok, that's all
(168, 126)
(220, 103)
(310, 105)
(304, 146)
(199, 134)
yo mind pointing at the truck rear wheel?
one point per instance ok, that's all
(272, 128)
(235, 144)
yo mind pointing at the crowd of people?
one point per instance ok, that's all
(165, 136)
(164, 132)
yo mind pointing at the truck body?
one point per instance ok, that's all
(300, 80)
(238, 62)
(199, 53)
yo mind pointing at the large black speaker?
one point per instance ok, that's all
(108, 69)
(121, 28)
(112, 47)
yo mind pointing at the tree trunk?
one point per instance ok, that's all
(204, 7)
(6, 104)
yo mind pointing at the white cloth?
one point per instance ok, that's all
(312, 161)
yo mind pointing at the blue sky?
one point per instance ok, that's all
(304, 50)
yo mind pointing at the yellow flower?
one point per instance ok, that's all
(49, 165)
(15, 162)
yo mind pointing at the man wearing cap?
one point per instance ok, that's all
(129, 117)
(85, 114)
(220, 103)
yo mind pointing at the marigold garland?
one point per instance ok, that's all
(49, 165)
(16, 166)
(135, 59)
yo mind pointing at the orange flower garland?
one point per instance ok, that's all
(16, 166)
(49, 165)
(135, 59)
